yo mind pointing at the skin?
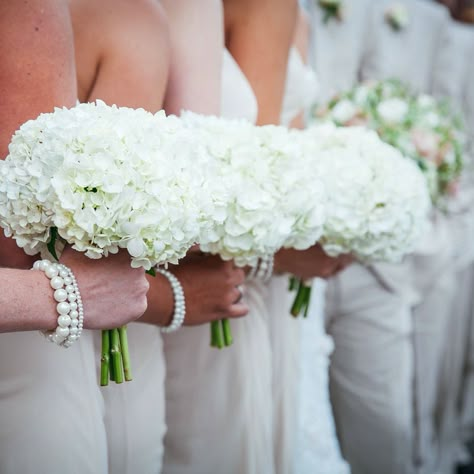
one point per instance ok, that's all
(461, 10)
(37, 74)
(210, 283)
(43, 70)
(259, 34)
(114, 40)
(196, 56)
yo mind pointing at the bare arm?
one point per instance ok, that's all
(301, 43)
(131, 45)
(259, 34)
(197, 42)
(27, 306)
(36, 74)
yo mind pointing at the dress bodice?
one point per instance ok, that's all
(301, 88)
(237, 97)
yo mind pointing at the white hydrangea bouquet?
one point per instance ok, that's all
(378, 201)
(100, 179)
(422, 128)
(255, 178)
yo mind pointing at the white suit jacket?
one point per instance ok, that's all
(336, 48)
(408, 54)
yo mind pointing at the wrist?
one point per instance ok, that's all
(279, 264)
(160, 302)
(179, 311)
(69, 307)
(46, 318)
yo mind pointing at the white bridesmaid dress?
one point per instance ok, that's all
(304, 434)
(218, 402)
(135, 411)
(51, 408)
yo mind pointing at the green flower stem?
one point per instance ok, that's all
(213, 334)
(217, 338)
(116, 355)
(127, 367)
(227, 331)
(302, 300)
(111, 366)
(105, 359)
(293, 285)
(307, 298)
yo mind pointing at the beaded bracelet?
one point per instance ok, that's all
(179, 302)
(263, 270)
(69, 303)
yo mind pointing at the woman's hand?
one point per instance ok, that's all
(210, 287)
(310, 263)
(113, 293)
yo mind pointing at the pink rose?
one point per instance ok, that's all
(427, 144)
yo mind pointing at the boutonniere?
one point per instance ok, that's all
(397, 16)
(332, 9)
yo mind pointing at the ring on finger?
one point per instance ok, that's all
(240, 289)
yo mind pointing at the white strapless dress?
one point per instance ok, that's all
(219, 403)
(305, 439)
(317, 444)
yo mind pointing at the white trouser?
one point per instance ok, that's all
(437, 320)
(453, 373)
(431, 321)
(467, 395)
(371, 370)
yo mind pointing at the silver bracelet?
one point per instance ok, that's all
(253, 271)
(179, 302)
(69, 303)
(265, 269)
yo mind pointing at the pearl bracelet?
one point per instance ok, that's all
(69, 303)
(263, 270)
(179, 302)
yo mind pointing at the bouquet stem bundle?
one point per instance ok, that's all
(221, 334)
(302, 298)
(115, 359)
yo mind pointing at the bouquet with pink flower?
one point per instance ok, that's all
(423, 128)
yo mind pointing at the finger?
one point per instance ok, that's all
(238, 276)
(238, 310)
(195, 250)
(236, 294)
(238, 298)
(341, 267)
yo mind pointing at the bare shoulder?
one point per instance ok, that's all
(101, 28)
(122, 19)
(241, 10)
(37, 58)
(35, 34)
(31, 16)
(302, 32)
